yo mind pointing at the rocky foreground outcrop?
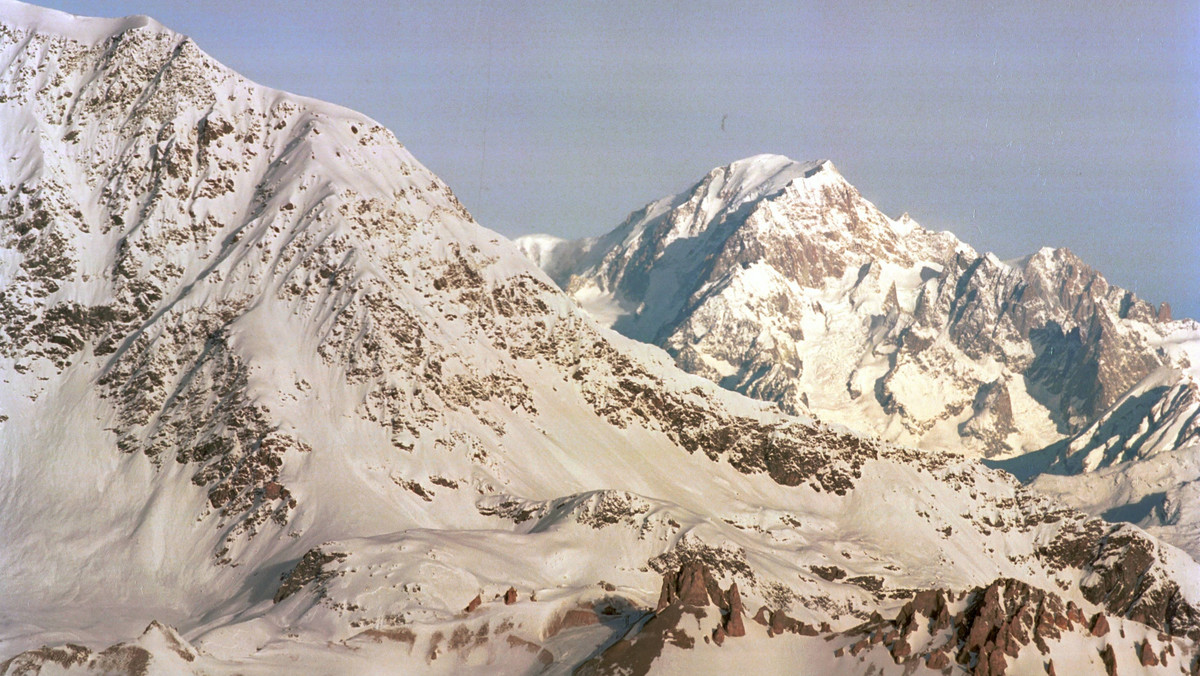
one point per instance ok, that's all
(998, 629)
(159, 649)
(998, 622)
(690, 599)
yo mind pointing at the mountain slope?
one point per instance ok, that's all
(267, 382)
(777, 279)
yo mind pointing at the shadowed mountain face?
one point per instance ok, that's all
(272, 398)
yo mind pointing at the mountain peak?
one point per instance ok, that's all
(773, 162)
(703, 216)
(762, 175)
(697, 240)
(721, 195)
(777, 161)
(87, 30)
(747, 279)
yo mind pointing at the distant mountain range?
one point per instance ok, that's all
(274, 403)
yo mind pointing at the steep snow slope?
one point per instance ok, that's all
(266, 382)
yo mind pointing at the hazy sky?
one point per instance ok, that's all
(1014, 125)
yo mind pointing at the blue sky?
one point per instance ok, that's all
(1017, 126)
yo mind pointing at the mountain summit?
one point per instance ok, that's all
(274, 403)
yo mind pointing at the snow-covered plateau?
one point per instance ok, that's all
(272, 402)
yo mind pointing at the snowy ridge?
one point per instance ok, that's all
(82, 29)
(1158, 415)
(676, 234)
(1138, 461)
(268, 383)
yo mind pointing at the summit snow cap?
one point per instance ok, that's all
(86, 30)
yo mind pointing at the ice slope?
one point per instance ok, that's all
(273, 402)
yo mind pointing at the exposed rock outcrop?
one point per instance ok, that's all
(1109, 657)
(996, 624)
(692, 585)
(310, 568)
(1125, 573)
(1146, 654)
(160, 648)
(734, 625)
(688, 591)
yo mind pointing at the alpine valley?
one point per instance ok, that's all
(272, 402)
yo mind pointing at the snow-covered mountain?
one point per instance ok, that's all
(274, 403)
(777, 279)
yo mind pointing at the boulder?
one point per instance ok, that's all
(761, 616)
(1109, 657)
(1146, 654)
(938, 659)
(734, 626)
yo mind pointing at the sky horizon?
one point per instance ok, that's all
(1014, 127)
